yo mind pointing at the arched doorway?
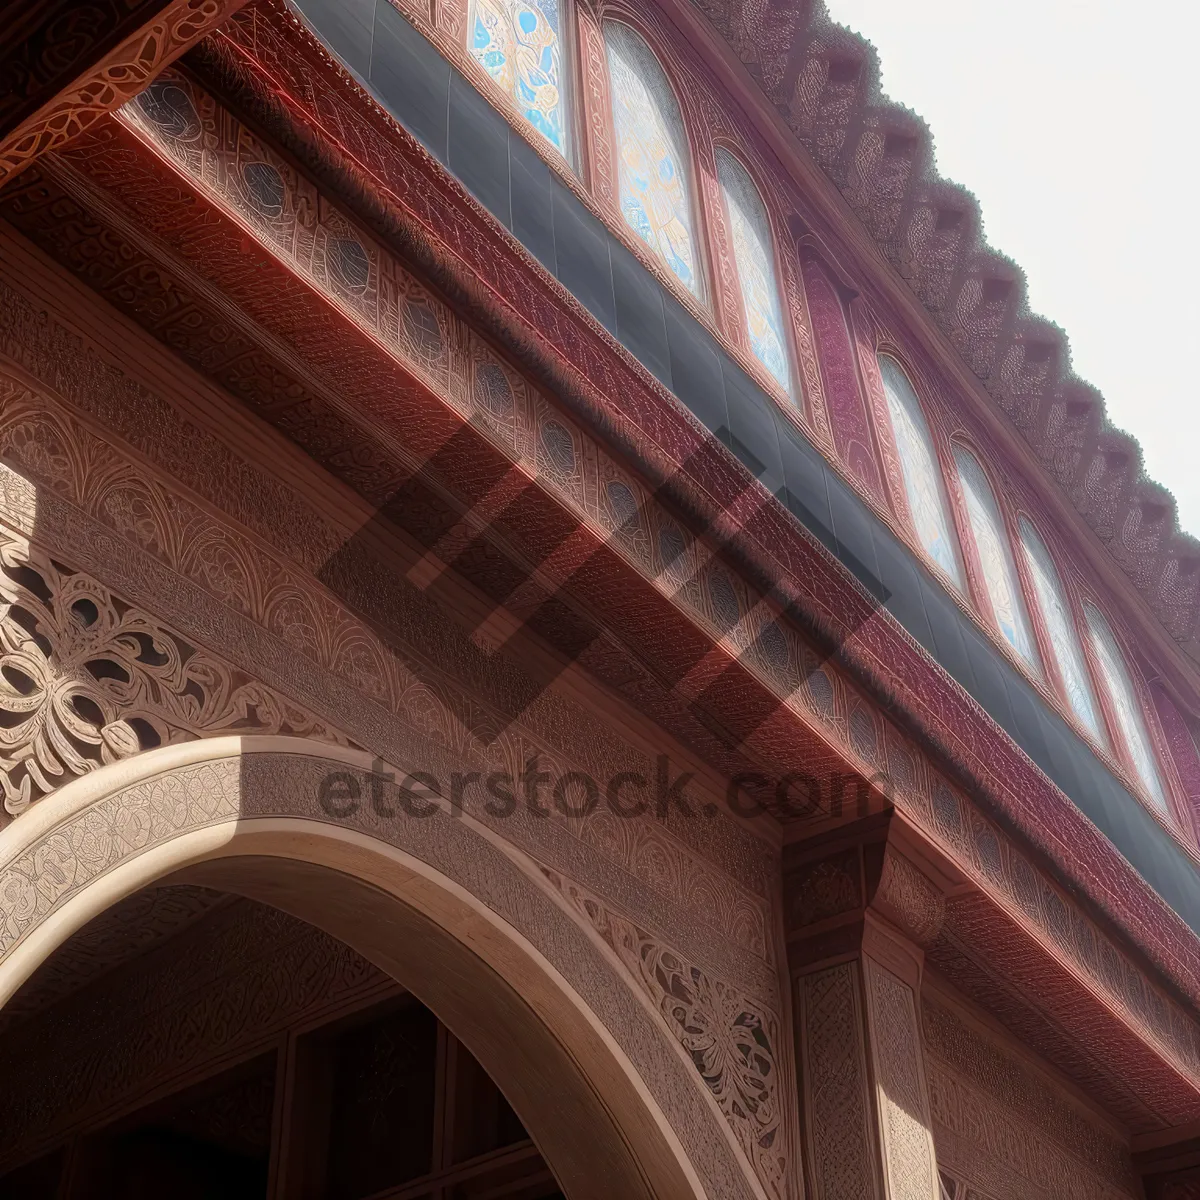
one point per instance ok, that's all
(437, 903)
(194, 1044)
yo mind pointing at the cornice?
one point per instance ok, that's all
(779, 66)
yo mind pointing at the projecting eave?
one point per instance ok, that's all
(823, 81)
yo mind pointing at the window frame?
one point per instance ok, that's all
(737, 325)
(701, 300)
(1122, 753)
(893, 471)
(572, 156)
(980, 592)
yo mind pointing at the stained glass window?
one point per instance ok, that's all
(919, 466)
(753, 253)
(1060, 626)
(652, 153)
(995, 556)
(519, 44)
(1125, 703)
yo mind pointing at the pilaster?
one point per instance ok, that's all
(857, 912)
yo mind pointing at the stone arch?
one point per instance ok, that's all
(467, 923)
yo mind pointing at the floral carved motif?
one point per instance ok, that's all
(120, 74)
(86, 679)
(731, 1040)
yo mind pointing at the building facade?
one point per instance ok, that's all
(564, 632)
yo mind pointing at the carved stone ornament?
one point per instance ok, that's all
(731, 1040)
(909, 899)
(86, 679)
(118, 75)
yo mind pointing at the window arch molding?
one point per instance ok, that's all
(1000, 587)
(688, 146)
(731, 303)
(515, 92)
(937, 517)
(1066, 656)
(1128, 708)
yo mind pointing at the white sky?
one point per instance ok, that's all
(1075, 125)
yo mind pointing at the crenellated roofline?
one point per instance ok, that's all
(821, 85)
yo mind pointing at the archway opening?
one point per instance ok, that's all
(472, 930)
(195, 1043)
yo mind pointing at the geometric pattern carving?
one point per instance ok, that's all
(35, 883)
(897, 1054)
(836, 1100)
(86, 679)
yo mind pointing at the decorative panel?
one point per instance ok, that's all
(839, 373)
(836, 1100)
(897, 1056)
(1003, 1131)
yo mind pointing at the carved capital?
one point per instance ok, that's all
(909, 899)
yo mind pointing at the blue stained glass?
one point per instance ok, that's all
(919, 466)
(518, 43)
(1060, 626)
(652, 153)
(1125, 704)
(995, 556)
(750, 233)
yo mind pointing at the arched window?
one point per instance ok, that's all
(919, 465)
(1068, 653)
(1125, 705)
(519, 44)
(995, 556)
(753, 254)
(652, 153)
